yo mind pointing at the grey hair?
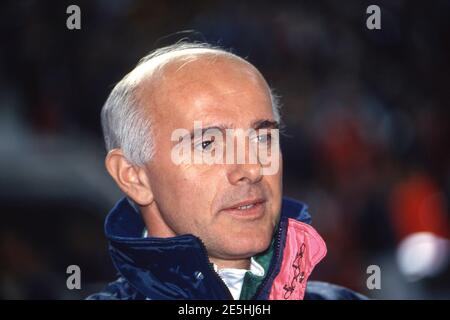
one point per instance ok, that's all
(125, 124)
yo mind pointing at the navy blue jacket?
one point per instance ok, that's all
(178, 267)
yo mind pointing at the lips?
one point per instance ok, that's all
(245, 204)
(252, 208)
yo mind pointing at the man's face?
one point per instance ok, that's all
(202, 199)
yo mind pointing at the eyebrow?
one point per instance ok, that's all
(258, 124)
(265, 124)
(221, 127)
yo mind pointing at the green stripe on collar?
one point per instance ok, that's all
(252, 281)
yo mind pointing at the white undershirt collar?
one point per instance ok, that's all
(234, 278)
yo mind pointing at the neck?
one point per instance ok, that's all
(154, 222)
(234, 264)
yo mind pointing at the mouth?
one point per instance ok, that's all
(249, 209)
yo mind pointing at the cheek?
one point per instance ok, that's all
(187, 185)
(195, 188)
(202, 181)
(275, 185)
(275, 181)
(169, 185)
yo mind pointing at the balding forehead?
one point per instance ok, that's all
(161, 82)
(155, 65)
(182, 78)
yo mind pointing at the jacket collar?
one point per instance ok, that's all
(170, 268)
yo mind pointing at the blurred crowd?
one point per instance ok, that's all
(366, 120)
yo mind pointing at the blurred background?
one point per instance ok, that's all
(366, 144)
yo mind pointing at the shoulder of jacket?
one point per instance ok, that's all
(119, 289)
(317, 290)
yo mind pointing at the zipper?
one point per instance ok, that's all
(276, 254)
(208, 263)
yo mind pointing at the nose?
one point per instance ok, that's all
(246, 169)
(244, 173)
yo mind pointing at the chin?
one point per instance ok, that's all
(248, 245)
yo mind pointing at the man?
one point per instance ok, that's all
(196, 229)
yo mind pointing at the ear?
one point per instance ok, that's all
(131, 179)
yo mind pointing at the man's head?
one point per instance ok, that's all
(232, 207)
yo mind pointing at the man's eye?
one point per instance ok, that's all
(264, 138)
(205, 145)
